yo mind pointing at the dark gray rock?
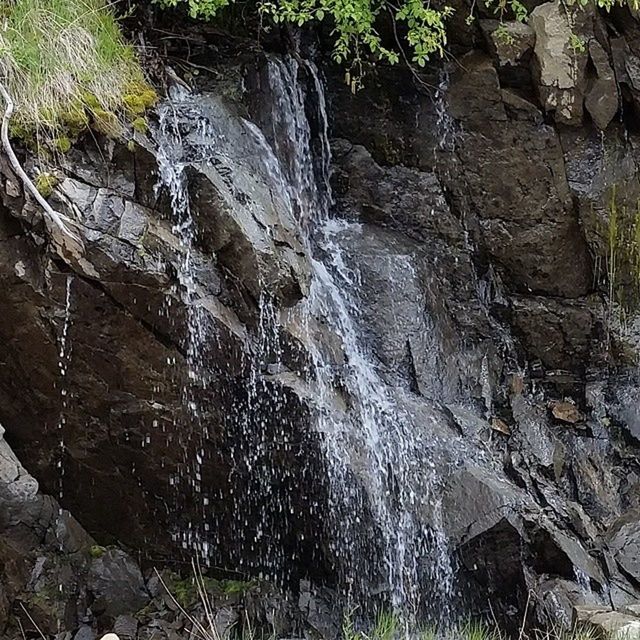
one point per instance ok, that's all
(126, 627)
(513, 166)
(602, 96)
(475, 501)
(117, 585)
(317, 608)
(85, 633)
(624, 542)
(511, 42)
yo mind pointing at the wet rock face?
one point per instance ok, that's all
(117, 423)
(534, 197)
(540, 250)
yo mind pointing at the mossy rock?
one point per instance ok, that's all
(62, 144)
(236, 587)
(107, 123)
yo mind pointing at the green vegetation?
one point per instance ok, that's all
(623, 253)
(45, 183)
(190, 590)
(97, 551)
(474, 630)
(67, 67)
(577, 44)
(356, 23)
(389, 626)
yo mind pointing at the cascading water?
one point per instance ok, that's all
(171, 165)
(187, 136)
(385, 518)
(372, 442)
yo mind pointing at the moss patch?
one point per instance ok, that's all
(623, 252)
(45, 183)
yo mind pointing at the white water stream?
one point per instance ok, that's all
(64, 360)
(381, 478)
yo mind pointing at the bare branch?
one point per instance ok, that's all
(56, 221)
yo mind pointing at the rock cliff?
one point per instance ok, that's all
(171, 388)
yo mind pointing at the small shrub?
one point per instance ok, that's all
(420, 28)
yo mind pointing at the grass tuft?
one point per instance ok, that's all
(476, 630)
(67, 67)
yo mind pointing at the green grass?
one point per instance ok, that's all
(622, 245)
(475, 630)
(386, 627)
(67, 67)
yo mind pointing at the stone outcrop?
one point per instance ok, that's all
(561, 59)
(606, 622)
(53, 573)
(511, 42)
(496, 154)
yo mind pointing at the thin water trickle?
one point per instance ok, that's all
(445, 124)
(64, 360)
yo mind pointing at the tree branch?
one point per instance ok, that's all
(57, 220)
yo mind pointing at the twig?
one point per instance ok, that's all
(411, 68)
(58, 219)
(524, 617)
(33, 622)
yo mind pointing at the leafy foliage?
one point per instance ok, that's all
(355, 22)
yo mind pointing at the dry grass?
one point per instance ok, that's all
(67, 66)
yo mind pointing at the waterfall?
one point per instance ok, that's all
(384, 513)
(172, 162)
(373, 442)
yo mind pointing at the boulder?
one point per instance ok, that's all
(615, 625)
(561, 60)
(475, 500)
(44, 553)
(583, 613)
(602, 95)
(126, 627)
(117, 585)
(85, 632)
(624, 542)
(536, 249)
(559, 598)
(559, 333)
(510, 41)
